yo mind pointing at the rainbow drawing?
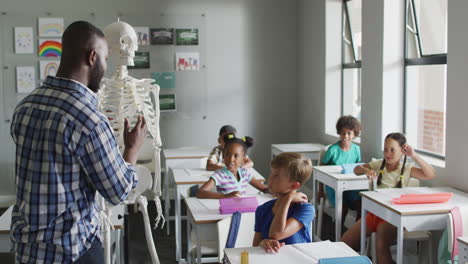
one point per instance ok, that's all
(50, 26)
(48, 68)
(50, 48)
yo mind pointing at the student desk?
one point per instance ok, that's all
(198, 214)
(410, 217)
(312, 151)
(6, 201)
(5, 224)
(184, 157)
(184, 178)
(462, 250)
(297, 253)
(331, 176)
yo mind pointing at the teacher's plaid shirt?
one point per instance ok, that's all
(65, 152)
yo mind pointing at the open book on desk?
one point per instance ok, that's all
(297, 253)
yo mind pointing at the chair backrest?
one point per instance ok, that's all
(203, 162)
(245, 233)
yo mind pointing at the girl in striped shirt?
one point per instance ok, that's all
(231, 180)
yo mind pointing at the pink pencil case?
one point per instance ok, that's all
(422, 198)
(241, 204)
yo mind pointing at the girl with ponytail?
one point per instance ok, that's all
(388, 172)
(231, 180)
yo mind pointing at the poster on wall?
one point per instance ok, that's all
(48, 67)
(187, 36)
(50, 26)
(167, 102)
(187, 61)
(165, 80)
(162, 36)
(24, 40)
(50, 47)
(141, 60)
(143, 35)
(25, 79)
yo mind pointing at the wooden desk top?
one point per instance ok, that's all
(383, 197)
(299, 147)
(335, 172)
(204, 215)
(296, 253)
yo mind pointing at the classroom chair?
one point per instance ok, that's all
(457, 226)
(419, 236)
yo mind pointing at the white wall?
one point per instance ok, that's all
(455, 173)
(251, 69)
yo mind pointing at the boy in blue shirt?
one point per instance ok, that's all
(344, 152)
(288, 219)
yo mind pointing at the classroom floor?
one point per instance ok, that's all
(165, 245)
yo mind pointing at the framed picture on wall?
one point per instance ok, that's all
(25, 79)
(167, 102)
(165, 80)
(48, 67)
(50, 47)
(141, 60)
(187, 36)
(187, 61)
(143, 35)
(50, 26)
(162, 36)
(24, 40)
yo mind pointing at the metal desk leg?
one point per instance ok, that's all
(189, 237)
(199, 246)
(316, 203)
(363, 229)
(399, 259)
(177, 225)
(338, 212)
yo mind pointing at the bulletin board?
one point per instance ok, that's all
(190, 86)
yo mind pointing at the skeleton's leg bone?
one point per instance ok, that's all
(141, 200)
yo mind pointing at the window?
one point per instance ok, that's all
(425, 75)
(351, 58)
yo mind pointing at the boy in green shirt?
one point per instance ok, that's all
(344, 152)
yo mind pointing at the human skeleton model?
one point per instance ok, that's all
(121, 97)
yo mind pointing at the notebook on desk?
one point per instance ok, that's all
(241, 204)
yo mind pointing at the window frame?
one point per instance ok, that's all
(421, 60)
(356, 64)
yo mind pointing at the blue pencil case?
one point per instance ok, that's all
(346, 260)
(349, 168)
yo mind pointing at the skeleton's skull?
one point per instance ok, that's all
(122, 41)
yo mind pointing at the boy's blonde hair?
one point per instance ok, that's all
(299, 167)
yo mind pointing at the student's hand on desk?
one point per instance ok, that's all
(271, 246)
(232, 194)
(299, 197)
